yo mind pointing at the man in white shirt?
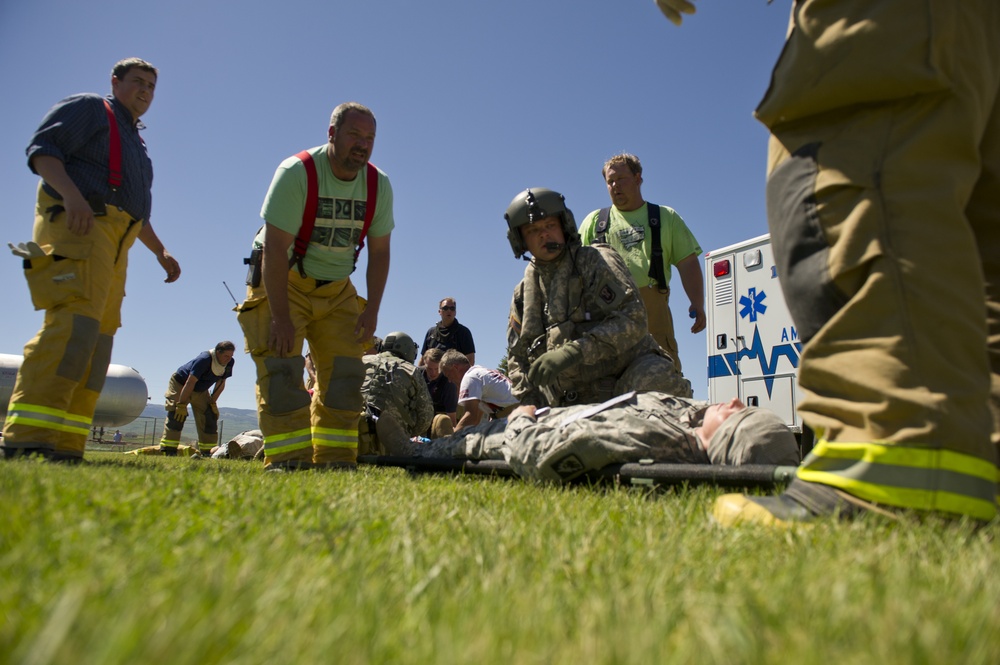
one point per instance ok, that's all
(480, 390)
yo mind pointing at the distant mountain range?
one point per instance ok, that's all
(148, 428)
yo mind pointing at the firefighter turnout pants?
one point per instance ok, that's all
(660, 321)
(323, 428)
(883, 202)
(80, 283)
(205, 419)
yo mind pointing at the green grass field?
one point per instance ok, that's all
(165, 560)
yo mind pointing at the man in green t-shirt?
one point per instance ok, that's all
(628, 231)
(314, 299)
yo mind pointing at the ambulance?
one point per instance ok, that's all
(753, 349)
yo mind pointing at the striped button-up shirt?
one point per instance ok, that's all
(76, 132)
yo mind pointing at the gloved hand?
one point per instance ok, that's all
(215, 408)
(29, 250)
(180, 412)
(551, 364)
(673, 9)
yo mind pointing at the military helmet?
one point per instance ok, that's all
(400, 345)
(532, 205)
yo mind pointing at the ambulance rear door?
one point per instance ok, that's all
(753, 349)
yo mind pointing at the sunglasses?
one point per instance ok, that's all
(448, 308)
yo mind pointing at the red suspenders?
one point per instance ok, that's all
(114, 149)
(308, 212)
(312, 204)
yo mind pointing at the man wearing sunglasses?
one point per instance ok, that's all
(448, 333)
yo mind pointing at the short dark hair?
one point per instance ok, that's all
(225, 346)
(339, 113)
(122, 66)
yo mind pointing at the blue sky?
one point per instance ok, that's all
(475, 101)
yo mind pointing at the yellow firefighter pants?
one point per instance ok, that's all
(884, 210)
(660, 321)
(322, 428)
(80, 283)
(205, 420)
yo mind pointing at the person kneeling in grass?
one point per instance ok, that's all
(560, 444)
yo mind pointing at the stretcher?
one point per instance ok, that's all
(633, 473)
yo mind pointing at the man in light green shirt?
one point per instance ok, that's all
(314, 300)
(629, 232)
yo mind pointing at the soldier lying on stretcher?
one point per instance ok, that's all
(562, 443)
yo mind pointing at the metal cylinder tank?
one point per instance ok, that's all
(122, 399)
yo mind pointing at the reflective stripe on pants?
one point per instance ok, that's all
(80, 284)
(884, 208)
(324, 427)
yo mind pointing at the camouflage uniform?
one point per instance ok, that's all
(397, 403)
(566, 442)
(587, 296)
(244, 445)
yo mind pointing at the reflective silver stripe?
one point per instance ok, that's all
(276, 445)
(905, 477)
(29, 415)
(337, 438)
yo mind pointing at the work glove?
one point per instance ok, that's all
(551, 364)
(215, 408)
(29, 250)
(673, 9)
(180, 413)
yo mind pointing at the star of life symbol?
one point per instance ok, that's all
(752, 304)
